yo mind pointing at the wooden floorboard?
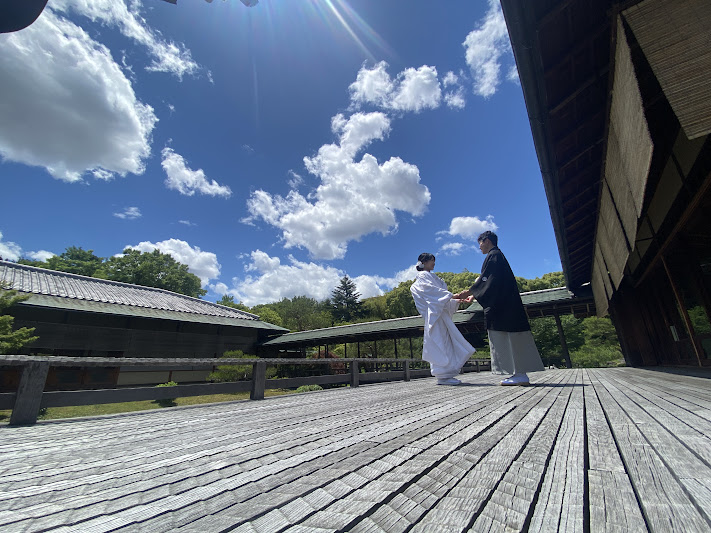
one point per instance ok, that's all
(579, 450)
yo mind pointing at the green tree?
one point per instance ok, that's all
(399, 301)
(458, 282)
(269, 315)
(74, 260)
(599, 331)
(302, 313)
(152, 269)
(345, 301)
(229, 301)
(545, 332)
(547, 281)
(375, 308)
(11, 341)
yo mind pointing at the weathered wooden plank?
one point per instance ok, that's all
(510, 505)
(612, 501)
(665, 505)
(395, 457)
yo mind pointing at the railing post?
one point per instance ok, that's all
(259, 376)
(477, 367)
(355, 373)
(407, 370)
(29, 393)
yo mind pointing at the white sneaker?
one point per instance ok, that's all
(448, 381)
(516, 379)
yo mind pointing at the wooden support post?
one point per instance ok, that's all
(407, 370)
(29, 394)
(411, 355)
(259, 375)
(395, 344)
(355, 373)
(477, 366)
(563, 343)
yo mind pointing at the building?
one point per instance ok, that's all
(81, 316)
(619, 101)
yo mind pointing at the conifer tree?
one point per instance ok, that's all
(11, 341)
(345, 301)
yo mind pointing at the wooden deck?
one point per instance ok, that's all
(580, 450)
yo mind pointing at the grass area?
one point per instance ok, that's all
(55, 413)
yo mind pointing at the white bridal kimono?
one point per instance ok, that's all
(444, 347)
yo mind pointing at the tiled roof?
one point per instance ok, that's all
(110, 294)
(545, 296)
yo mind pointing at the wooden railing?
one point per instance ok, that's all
(31, 396)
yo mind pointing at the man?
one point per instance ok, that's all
(513, 350)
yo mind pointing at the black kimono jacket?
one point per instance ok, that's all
(497, 292)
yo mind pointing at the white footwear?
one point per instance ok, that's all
(448, 381)
(516, 379)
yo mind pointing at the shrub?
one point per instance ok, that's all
(167, 402)
(596, 357)
(309, 388)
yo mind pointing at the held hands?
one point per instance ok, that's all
(465, 296)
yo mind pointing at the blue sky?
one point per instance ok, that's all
(274, 148)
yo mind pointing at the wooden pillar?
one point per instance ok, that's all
(407, 370)
(395, 344)
(259, 374)
(411, 355)
(355, 373)
(345, 350)
(684, 312)
(358, 347)
(563, 343)
(29, 393)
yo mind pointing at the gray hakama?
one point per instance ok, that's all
(513, 352)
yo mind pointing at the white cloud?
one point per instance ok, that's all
(247, 148)
(67, 105)
(355, 198)
(452, 248)
(187, 181)
(485, 46)
(470, 227)
(167, 55)
(412, 90)
(454, 97)
(512, 76)
(40, 255)
(203, 264)
(269, 280)
(187, 222)
(295, 180)
(13, 252)
(130, 213)
(10, 250)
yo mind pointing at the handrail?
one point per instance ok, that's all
(31, 397)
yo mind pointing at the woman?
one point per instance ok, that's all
(444, 347)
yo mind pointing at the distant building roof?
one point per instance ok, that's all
(537, 303)
(50, 288)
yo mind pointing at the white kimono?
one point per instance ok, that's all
(444, 347)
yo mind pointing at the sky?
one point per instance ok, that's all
(273, 149)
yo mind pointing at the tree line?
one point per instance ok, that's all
(591, 341)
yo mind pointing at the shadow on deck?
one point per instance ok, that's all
(584, 450)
